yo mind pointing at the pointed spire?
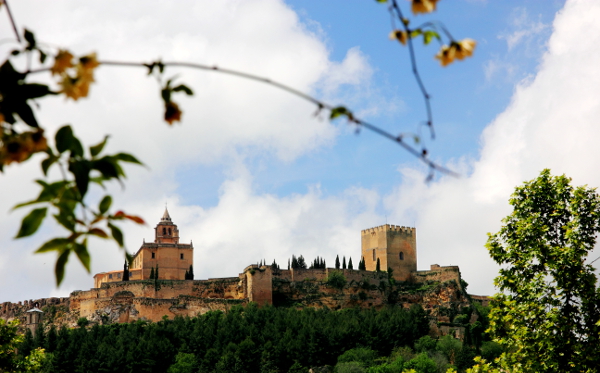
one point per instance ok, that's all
(166, 216)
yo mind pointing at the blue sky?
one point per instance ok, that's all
(250, 173)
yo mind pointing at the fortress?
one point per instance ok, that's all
(158, 284)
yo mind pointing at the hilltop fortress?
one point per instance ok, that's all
(146, 296)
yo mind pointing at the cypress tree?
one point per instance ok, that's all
(350, 266)
(156, 273)
(362, 266)
(152, 273)
(378, 266)
(288, 264)
(187, 275)
(337, 262)
(294, 262)
(126, 271)
(191, 272)
(344, 262)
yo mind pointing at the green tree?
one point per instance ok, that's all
(191, 272)
(548, 315)
(361, 265)
(344, 263)
(152, 273)
(378, 266)
(337, 262)
(350, 266)
(336, 279)
(184, 363)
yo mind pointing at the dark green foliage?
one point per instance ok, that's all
(156, 277)
(336, 279)
(191, 272)
(350, 266)
(361, 265)
(337, 262)
(126, 271)
(299, 262)
(365, 356)
(152, 273)
(378, 266)
(318, 263)
(344, 263)
(422, 364)
(425, 343)
(249, 339)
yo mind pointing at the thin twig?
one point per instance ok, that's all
(320, 104)
(12, 21)
(415, 71)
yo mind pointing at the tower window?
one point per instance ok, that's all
(152, 255)
(164, 231)
(401, 255)
(374, 258)
(181, 256)
(170, 231)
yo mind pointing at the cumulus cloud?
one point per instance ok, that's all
(551, 122)
(227, 119)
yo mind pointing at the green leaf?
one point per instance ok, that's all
(64, 139)
(43, 56)
(59, 269)
(166, 95)
(65, 220)
(83, 254)
(46, 163)
(30, 38)
(35, 90)
(81, 172)
(23, 110)
(338, 112)
(96, 149)
(184, 88)
(117, 234)
(125, 157)
(31, 222)
(107, 167)
(429, 35)
(416, 32)
(105, 204)
(54, 244)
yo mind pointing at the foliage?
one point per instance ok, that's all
(337, 262)
(245, 339)
(378, 266)
(336, 279)
(31, 360)
(362, 265)
(548, 316)
(425, 343)
(184, 363)
(350, 266)
(365, 356)
(299, 262)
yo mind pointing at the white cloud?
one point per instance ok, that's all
(551, 122)
(227, 119)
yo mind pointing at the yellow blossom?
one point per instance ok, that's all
(446, 54)
(465, 48)
(423, 6)
(172, 112)
(79, 85)
(62, 62)
(401, 36)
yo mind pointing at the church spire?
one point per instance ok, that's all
(166, 217)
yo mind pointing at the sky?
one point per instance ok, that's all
(252, 173)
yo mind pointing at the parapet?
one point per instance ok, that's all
(389, 227)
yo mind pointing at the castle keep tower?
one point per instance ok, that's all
(395, 246)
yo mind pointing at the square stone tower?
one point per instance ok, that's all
(395, 246)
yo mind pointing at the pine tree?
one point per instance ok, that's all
(301, 262)
(350, 266)
(344, 262)
(152, 273)
(126, 271)
(378, 266)
(337, 262)
(191, 272)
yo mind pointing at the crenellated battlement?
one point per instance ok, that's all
(389, 227)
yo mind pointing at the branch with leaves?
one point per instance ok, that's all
(65, 198)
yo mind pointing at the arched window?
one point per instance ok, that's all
(164, 230)
(169, 231)
(374, 258)
(401, 255)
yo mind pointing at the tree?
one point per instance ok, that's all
(156, 273)
(361, 265)
(337, 262)
(378, 266)
(344, 262)
(191, 272)
(126, 271)
(350, 266)
(547, 316)
(152, 273)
